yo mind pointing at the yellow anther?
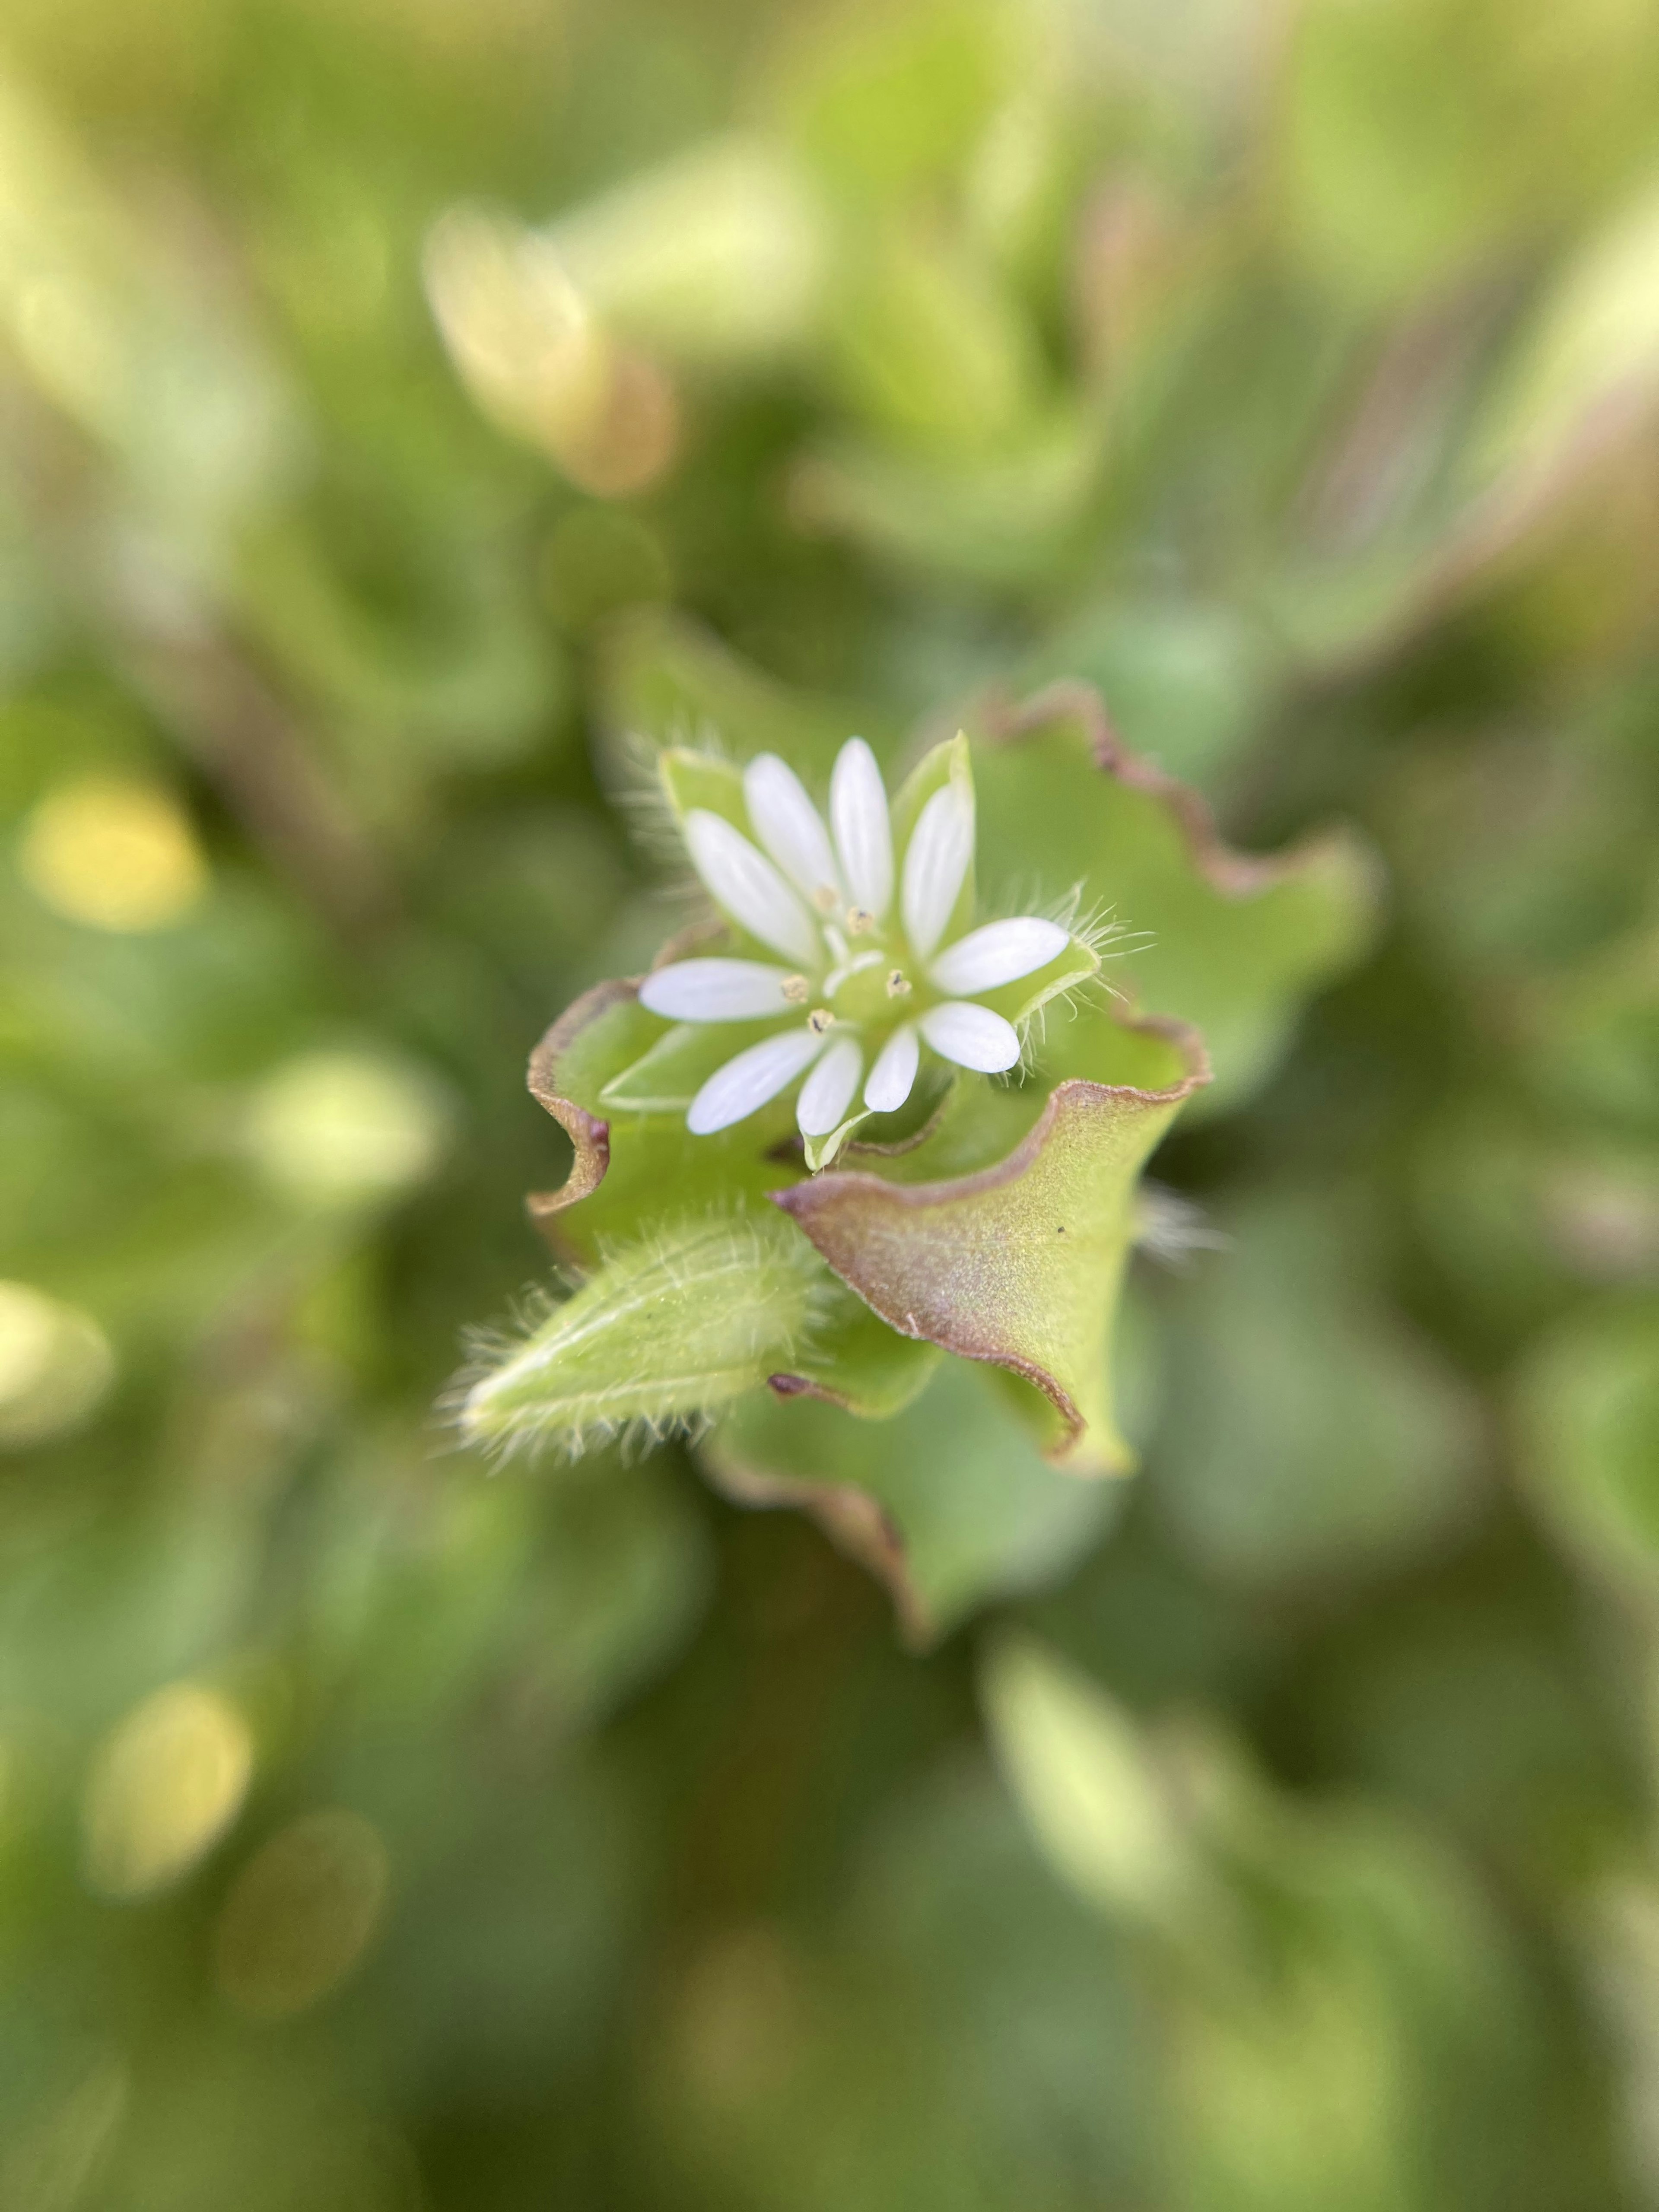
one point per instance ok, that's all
(795, 988)
(819, 1020)
(826, 898)
(898, 983)
(859, 921)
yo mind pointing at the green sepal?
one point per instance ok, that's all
(1074, 966)
(632, 1169)
(819, 1151)
(665, 1079)
(692, 781)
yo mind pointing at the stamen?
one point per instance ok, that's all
(859, 921)
(898, 984)
(819, 1020)
(825, 898)
(795, 989)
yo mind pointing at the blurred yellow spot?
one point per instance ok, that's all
(540, 363)
(301, 1915)
(337, 1128)
(165, 1784)
(55, 1366)
(114, 853)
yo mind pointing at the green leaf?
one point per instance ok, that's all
(1222, 939)
(664, 1331)
(1000, 518)
(716, 257)
(1587, 1429)
(1589, 362)
(1311, 1435)
(1079, 1768)
(927, 345)
(1018, 1264)
(948, 1503)
(1319, 1968)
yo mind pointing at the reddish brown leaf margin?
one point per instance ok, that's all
(1233, 874)
(813, 1203)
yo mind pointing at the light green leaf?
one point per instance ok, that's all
(948, 1502)
(716, 257)
(1587, 1427)
(1081, 1772)
(1589, 362)
(1225, 940)
(1311, 1435)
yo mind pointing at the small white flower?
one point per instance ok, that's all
(864, 989)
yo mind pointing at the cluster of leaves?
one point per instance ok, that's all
(414, 421)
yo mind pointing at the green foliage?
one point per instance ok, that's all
(419, 419)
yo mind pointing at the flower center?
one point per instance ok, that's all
(869, 987)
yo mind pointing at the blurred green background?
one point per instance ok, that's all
(400, 402)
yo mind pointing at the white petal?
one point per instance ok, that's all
(749, 1082)
(749, 887)
(827, 1090)
(894, 1073)
(715, 991)
(973, 1036)
(941, 845)
(790, 827)
(1001, 952)
(864, 835)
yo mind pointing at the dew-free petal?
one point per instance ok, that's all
(827, 1090)
(973, 1036)
(864, 834)
(1001, 953)
(895, 1072)
(752, 1081)
(941, 847)
(745, 883)
(790, 827)
(715, 991)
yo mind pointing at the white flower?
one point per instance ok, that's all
(866, 987)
